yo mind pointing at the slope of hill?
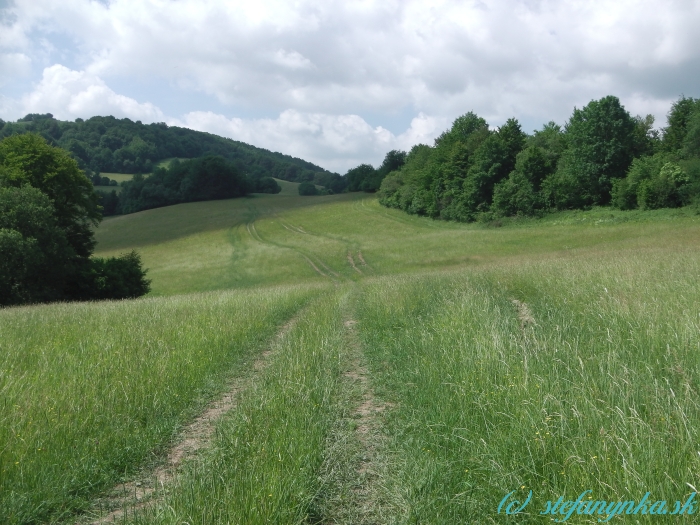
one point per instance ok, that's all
(362, 366)
(108, 144)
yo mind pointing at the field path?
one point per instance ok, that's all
(137, 494)
(313, 261)
(352, 263)
(356, 461)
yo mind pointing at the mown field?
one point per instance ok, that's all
(427, 369)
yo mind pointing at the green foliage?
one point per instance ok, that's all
(462, 129)
(455, 179)
(552, 140)
(646, 138)
(266, 185)
(691, 141)
(663, 190)
(360, 177)
(601, 145)
(307, 188)
(365, 178)
(17, 262)
(331, 181)
(35, 256)
(200, 179)
(392, 162)
(492, 162)
(110, 203)
(679, 118)
(28, 160)
(107, 144)
(534, 165)
(654, 182)
(410, 187)
(114, 278)
(47, 211)
(473, 173)
(100, 180)
(515, 196)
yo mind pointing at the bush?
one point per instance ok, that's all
(515, 196)
(663, 190)
(266, 185)
(655, 182)
(120, 277)
(307, 188)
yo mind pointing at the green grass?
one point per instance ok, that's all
(288, 188)
(119, 177)
(599, 393)
(263, 467)
(90, 392)
(212, 245)
(166, 162)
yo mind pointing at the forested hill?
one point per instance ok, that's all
(108, 144)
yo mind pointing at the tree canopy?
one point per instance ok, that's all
(28, 160)
(205, 178)
(108, 144)
(48, 209)
(601, 156)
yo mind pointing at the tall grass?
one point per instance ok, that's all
(89, 391)
(263, 466)
(598, 391)
(208, 245)
(601, 393)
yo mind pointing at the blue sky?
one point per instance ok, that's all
(343, 82)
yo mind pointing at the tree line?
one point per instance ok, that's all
(201, 179)
(602, 156)
(48, 209)
(111, 145)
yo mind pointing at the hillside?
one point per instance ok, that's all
(108, 144)
(329, 360)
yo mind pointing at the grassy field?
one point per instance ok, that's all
(431, 368)
(119, 177)
(166, 162)
(125, 177)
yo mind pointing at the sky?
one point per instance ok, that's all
(342, 82)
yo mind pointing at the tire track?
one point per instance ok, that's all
(137, 494)
(356, 459)
(250, 226)
(352, 263)
(299, 229)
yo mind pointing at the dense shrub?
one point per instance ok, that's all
(308, 188)
(266, 185)
(113, 278)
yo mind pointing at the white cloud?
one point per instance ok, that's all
(12, 66)
(335, 142)
(323, 67)
(291, 59)
(68, 94)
